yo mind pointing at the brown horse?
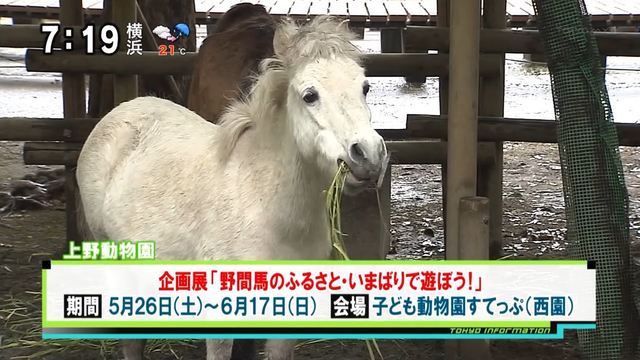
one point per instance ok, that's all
(228, 58)
(223, 71)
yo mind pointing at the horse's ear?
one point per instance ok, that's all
(344, 26)
(282, 38)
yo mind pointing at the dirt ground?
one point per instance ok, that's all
(534, 228)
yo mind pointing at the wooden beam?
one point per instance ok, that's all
(46, 129)
(51, 153)
(510, 129)
(402, 152)
(29, 36)
(415, 38)
(423, 38)
(418, 127)
(414, 65)
(430, 152)
(151, 64)
(119, 63)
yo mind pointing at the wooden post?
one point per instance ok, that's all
(538, 57)
(211, 26)
(474, 229)
(411, 79)
(366, 224)
(101, 85)
(491, 103)
(462, 141)
(463, 113)
(74, 105)
(443, 81)
(390, 40)
(125, 87)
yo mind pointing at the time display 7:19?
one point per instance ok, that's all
(109, 38)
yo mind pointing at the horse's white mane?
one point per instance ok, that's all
(322, 38)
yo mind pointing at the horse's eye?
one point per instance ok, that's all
(310, 96)
(365, 89)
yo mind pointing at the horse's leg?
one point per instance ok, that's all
(133, 349)
(281, 349)
(219, 349)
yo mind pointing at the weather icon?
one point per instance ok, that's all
(179, 30)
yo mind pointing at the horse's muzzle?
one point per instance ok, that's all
(367, 164)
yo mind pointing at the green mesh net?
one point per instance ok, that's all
(595, 194)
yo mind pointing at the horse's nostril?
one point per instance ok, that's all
(356, 153)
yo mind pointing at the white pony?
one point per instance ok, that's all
(249, 188)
